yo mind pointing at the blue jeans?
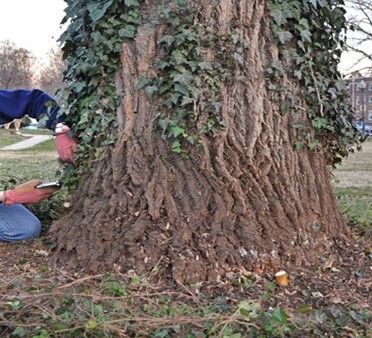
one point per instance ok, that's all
(17, 223)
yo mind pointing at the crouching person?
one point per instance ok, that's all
(17, 223)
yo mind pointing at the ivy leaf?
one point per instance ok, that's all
(127, 32)
(150, 90)
(163, 64)
(298, 74)
(176, 147)
(183, 78)
(164, 87)
(143, 81)
(173, 100)
(132, 3)
(306, 35)
(249, 309)
(97, 11)
(97, 37)
(176, 130)
(186, 100)
(284, 36)
(168, 39)
(19, 332)
(319, 122)
(314, 3)
(314, 145)
(132, 16)
(279, 316)
(333, 92)
(278, 15)
(205, 65)
(299, 145)
(164, 123)
(191, 139)
(179, 56)
(284, 107)
(281, 12)
(181, 89)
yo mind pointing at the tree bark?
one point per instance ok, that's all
(249, 202)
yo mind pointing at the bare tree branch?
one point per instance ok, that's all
(360, 33)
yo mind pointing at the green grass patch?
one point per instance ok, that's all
(356, 204)
(37, 162)
(40, 131)
(361, 166)
(7, 139)
(46, 146)
(353, 186)
(20, 170)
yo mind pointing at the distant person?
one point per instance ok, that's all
(17, 223)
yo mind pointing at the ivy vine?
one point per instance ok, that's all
(187, 80)
(310, 35)
(194, 63)
(91, 46)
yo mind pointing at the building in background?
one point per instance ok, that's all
(360, 89)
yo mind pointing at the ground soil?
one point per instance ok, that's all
(341, 284)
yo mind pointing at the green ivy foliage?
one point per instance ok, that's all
(91, 45)
(187, 81)
(310, 35)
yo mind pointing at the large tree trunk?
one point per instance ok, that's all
(249, 201)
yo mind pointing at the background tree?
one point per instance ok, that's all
(16, 66)
(207, 130)
(50, 77)
(360, 34)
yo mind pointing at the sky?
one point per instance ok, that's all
(32, 24)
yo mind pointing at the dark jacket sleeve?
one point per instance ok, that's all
(15, 104)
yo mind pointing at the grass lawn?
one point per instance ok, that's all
(7, 138)
(38, 162)
(40, 131)
(47, 146)
(353, 185)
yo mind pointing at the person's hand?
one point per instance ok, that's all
(65, 143)
(27, 193)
